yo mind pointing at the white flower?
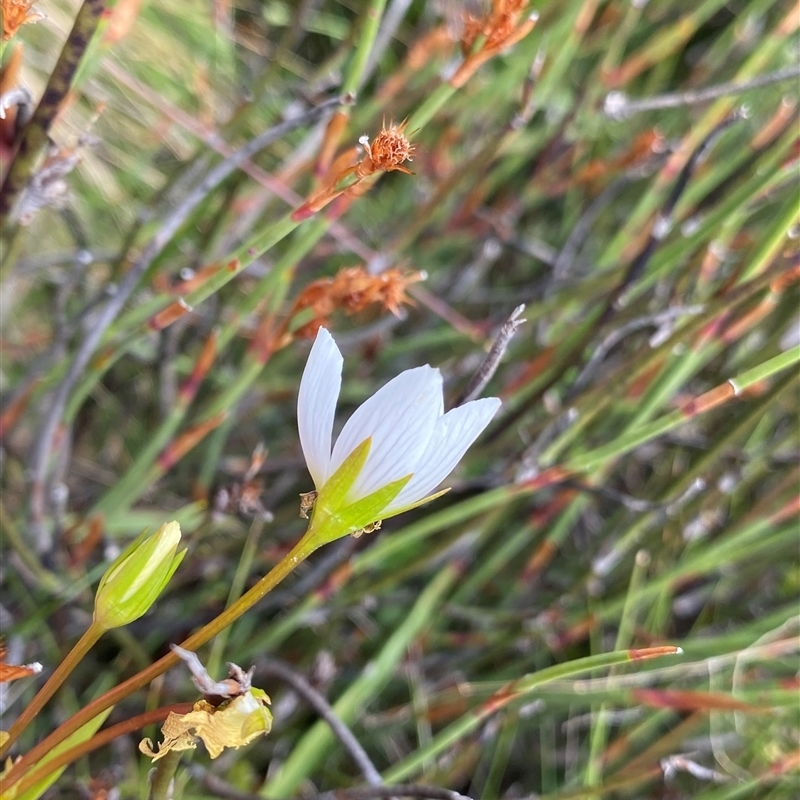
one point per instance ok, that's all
(395, 449)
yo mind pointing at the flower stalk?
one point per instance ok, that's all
(128, 589)
(163, 775)
(100, 739)
(288, 563)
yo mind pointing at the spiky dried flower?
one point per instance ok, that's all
(17, 13)
(388, 153)
(503, 26)
(353, 290)
(389, 150)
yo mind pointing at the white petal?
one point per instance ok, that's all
(316, 405)
(400, 417)
(452, 436)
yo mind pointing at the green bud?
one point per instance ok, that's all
(135, 580)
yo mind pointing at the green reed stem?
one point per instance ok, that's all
(589, 461)
(516, 690)
(598, 737)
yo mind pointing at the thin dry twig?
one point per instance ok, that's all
(44, 441)
(217, 786)
(618, 334)
(636, 504)
(619, 106)
(580, 233)
(489, 366)
(529, 462)
(662, 224)
(278, 669)
(214, 141)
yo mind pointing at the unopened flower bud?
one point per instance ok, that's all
(135, 580)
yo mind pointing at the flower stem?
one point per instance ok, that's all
(302, 550)
(54, 682)
(61, 758)
(237, 584)
(163, 775)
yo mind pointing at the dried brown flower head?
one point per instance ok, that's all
(17, 13)
(497, 26)
(387, 153)
(389, 150)
(352, 290)
(503, 26)
(243, 497)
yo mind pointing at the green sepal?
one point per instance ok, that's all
(333, 494)
(327, 525)
(260, 695)
(417, 504)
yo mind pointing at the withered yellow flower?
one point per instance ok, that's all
(234, 723)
